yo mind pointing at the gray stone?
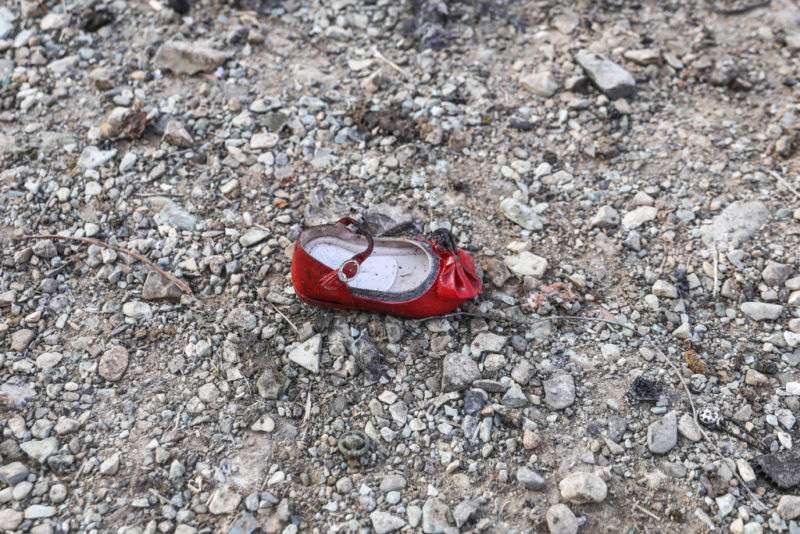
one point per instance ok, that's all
(253, 236)
(173, 215)
(542, 83)
(561, 520)
(606, 217)
(110, 465)
(688, 428)
(515, 398)
(92, 157)
(384, 522)
(735, 224)
(726, 503)
(789, 507)
(13, 473)
(526, 264)
(664, 289)
(40, 449)
(48, 360)
(761, 311)
(530, 479)
(241, 318)
(21, 338)
(306, 354)
(662, 435)
(392, 483)
(188, 58)
(521, 214)
(156, 287)
(39, 511)
(224, 500)
(269, 385)
(559, 391)
(175, 134)
(487, 342)
(613, 80)
(776, 274)
(434, 516)
(137, 310)
(458, 372)
(10, 519)
(113, 363)
(464, 511)
(582, 487)
(638, 216)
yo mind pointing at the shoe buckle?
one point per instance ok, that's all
(342, 271)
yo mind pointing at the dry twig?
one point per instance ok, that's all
(391, 63)
(182, 285)
(785, 184)
(279, 312)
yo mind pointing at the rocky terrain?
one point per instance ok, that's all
(625, 173)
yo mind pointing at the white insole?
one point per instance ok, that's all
(394, 265)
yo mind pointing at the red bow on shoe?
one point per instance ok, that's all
(458, 279)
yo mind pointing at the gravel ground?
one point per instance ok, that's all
(624, 173)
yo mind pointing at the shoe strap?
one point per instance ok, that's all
(349, 268)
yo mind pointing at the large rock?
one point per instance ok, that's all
(559, 391)
(458, 372)
(10, 519)
(735, 224)
(188, 58)
(662, 435)
(613, 80)
(581, 487)
(789, 507)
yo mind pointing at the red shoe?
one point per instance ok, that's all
(407, 277)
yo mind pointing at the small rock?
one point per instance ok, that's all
(662, 435)
(458, 372)
(726, 504)
(761, 311)
(10, 519)
(789, 507)
(383, 522)
(156, 287)
(265, 423)
(689, 429)
(745, 470)
(638, 216)
(13, 473)
(392, 483)
(561, 520)
(264, 140)
(110, 465)
(241, 318)
(530, 479)
(776, 274)
(434, 516)
(21, 338)
(664, 289)
(113, 363)
(253, 236)
(464, 511)
(559, 391)
(39, 511)
(526, 264)
(48, 360)
(645, 56)
(521, 214)
(487, 342)
(606, 217)
(306, 354)
(754, 378)
(173, 215)
(610, 78)
(176, 135)
(137, 310)
(40, 449)
(224, 500)
(581, 487)
(541, 83)
(188, 58)
(92, 157)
